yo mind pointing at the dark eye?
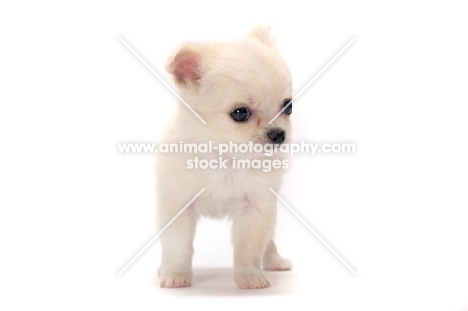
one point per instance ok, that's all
(241, 114)
(288, 110)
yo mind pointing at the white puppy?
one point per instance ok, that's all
(237, 88)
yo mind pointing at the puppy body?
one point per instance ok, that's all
(215, 79)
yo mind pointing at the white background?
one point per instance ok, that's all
(74, 210)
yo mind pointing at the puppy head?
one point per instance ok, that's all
(236, 87)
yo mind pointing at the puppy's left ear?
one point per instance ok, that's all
(185, 66)
(263, 34)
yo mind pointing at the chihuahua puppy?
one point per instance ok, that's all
(237, 88)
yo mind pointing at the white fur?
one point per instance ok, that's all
(246, 73)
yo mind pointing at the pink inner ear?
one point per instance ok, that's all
(186, 67)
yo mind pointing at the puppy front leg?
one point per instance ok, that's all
(177, 248)
(252, 229)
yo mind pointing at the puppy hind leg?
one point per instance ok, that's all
(177, 248)
(273, 261)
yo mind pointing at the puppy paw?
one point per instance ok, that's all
(252, 281)
(276, 263)
(175, 280)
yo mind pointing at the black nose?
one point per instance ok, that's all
(276, 135)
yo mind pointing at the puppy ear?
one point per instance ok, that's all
(185, 66)
(263, 34)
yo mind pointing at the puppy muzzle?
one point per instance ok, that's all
(276, 135)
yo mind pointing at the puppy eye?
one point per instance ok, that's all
(241, 114)
(288, 110)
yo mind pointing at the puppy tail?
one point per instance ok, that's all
(263, 34)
